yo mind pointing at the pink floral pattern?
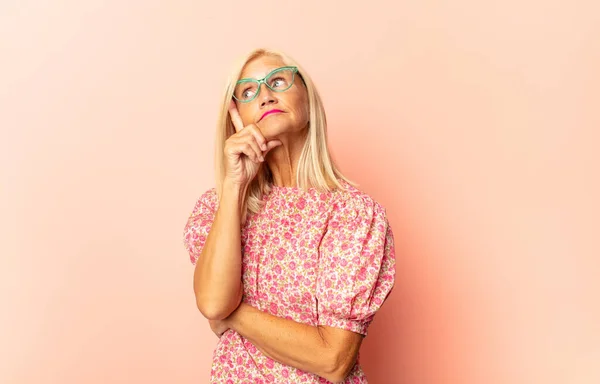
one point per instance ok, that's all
(312, 257)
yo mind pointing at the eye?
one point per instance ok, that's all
(278, 82)
(247, 93)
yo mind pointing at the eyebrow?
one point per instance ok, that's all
(255, 78)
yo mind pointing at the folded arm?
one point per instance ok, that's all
(325, 351)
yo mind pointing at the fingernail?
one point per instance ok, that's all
(262, 158)
(264, 147)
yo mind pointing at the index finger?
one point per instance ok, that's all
(236, 119)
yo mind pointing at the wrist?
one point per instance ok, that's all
(232, 187)
(233, 194)
(233, 319)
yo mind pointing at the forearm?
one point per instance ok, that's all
(218, 271)
(291, 343)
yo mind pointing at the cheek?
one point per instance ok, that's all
(302, 109)
(306, 112)
(245, 115)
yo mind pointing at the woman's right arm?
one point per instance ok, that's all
(218, 273)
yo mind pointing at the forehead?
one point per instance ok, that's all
(261, 66)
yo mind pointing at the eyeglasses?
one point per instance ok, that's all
(278, 80)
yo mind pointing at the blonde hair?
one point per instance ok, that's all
(316, 167)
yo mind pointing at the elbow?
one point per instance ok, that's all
(216, 306)
(339, 368)
(212, 311)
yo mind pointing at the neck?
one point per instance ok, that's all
(283, 160)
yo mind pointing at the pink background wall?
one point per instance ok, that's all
(475, 125)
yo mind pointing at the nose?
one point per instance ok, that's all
(266, 96)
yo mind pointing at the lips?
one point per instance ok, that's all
(270, 112)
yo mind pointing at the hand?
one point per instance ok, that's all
(245, 150)
(218, 327)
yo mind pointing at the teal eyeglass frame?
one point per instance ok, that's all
(263, 81)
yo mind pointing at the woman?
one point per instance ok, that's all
(291, 260)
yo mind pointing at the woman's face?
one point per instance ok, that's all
(293, 103)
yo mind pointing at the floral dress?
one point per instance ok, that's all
(318, 258)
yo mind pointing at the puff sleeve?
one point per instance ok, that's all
(356, 268)
(199, 224)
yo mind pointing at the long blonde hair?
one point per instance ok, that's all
(316, 167)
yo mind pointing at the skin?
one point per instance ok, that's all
(289, 128)
(278, 140)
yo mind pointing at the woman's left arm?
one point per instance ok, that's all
(360, 248)
(325, 351)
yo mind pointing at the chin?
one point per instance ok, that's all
(282, 131)
(274, 133)
(272, 128)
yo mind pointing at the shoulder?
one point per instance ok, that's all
(353, 201)
(210, 194)
(208, 199)
(350, 196)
